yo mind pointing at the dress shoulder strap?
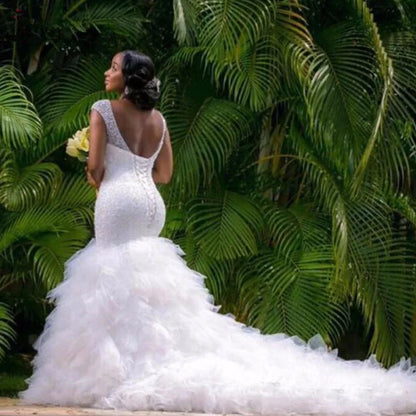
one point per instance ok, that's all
(102, 107)
(162, 139)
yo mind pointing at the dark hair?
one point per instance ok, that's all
(142, 88)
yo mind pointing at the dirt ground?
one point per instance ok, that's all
(9, 407)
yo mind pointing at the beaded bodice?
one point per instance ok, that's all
(128, 205)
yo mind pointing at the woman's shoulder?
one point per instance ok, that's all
(100, 105)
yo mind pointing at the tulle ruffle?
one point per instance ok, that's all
(134, 328)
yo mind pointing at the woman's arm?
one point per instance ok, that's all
(163, 167)
(95, 164)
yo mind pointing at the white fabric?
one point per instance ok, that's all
(134, 328)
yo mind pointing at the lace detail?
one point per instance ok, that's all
(143, 170)
(113, 133)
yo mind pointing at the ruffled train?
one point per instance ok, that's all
(134, 328)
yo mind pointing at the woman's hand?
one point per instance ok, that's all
(91, 180)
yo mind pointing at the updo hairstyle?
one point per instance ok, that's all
(142, 88)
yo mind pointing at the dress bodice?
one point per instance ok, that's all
(128, 205)
(114, 136)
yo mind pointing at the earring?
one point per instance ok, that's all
(126, 90)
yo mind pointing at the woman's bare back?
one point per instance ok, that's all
(140, 129)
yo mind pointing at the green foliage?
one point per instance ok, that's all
(206, 130)
(333, 161)
(7, 333)
(19, 122)
(292, 125)
(226, 226)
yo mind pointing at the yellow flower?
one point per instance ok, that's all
(79, 145)
(71, 148)
(84, 139)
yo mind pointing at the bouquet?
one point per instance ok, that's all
(79, 144)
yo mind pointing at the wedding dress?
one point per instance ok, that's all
(134, 328)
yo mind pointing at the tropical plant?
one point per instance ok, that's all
(292, 123)
(327, 163)
(46, 207)
(45, 214)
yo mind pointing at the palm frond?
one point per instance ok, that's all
(298, 228)
(120, 18)
(204, 132)
(290, 294)
(185, 21)
(72, 96)
(26, 186)
(387, 295)
(227, 225)
(19, 122)
(51, 234)
(217, 272)
(7, 333)
(66, 108)
(254, 78)
(391, 102)
(404, 205)
(329, 191)
(340, 94)
(50, 250)
(73, 193)
(224, 22)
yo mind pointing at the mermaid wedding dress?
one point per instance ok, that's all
(134, 328)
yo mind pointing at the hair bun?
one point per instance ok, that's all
(136, 81)
(141, 86)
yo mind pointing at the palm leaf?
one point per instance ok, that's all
(227, 225)
(75, 194)
(122, 19)
(340, 94)
(216, 272)
(49, 251)
(226, 24)
(185, 21)
(223, 22)
(23, 187)
(52, 235)
(387, 296)
(66, 108)
(7, 333)
(72, 96)
(254, 78)
(297, 228)
(204, 132)
(391, 103)
(290, 294)
(19, 122)
(330, 192)
(246, 61)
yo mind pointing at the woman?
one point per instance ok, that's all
(135, 328)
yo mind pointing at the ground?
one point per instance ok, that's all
(9, 407)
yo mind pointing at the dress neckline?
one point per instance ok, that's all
(125, 143)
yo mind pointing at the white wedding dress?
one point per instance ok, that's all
(134, 328)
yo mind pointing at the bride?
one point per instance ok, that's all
(134, 328)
